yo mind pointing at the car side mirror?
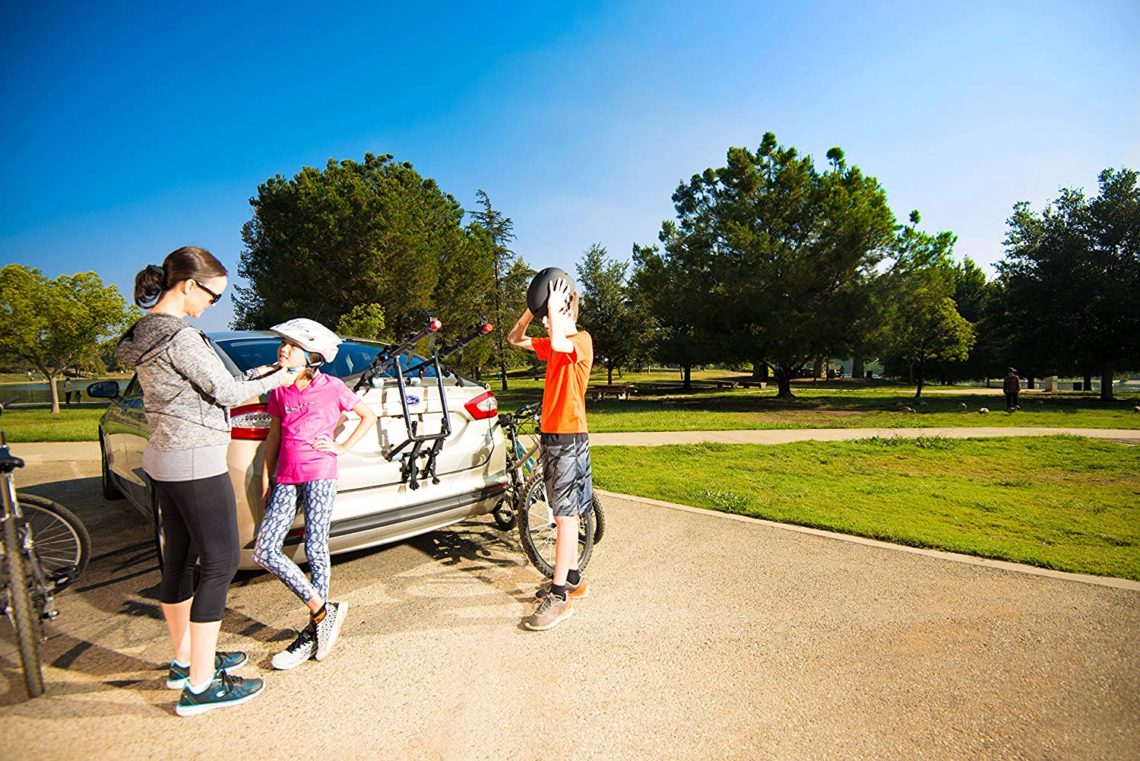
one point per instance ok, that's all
(108, 389)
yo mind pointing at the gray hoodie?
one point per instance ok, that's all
(186, 389)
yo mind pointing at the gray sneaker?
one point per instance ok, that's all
(298, 652)
(329, 628)
(223, 692)
(550, 612)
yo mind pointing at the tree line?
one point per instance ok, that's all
(770, 262)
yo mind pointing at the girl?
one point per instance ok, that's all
(301, 462)
(187, 392)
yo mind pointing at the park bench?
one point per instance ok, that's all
(753, 384)
(615, 390)
(726, 385)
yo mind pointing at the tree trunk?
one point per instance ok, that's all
(687, 377)
(918, 379)
(857, 367)
(1088, 382)
(1106, 383)
(54, 393)
(817, 370)
(503, 370)
(759, 371)
(784, 383)
(610, 371)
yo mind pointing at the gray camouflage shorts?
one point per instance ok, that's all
(566, 472)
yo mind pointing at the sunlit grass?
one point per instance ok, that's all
(1058, 502)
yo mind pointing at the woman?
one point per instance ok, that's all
(187, 392)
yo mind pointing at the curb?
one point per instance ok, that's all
(954, 557)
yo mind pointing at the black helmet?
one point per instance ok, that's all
(539, 290)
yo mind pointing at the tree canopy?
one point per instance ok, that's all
(1070, 281)
(372, 235)
(618, 324)
(56, 325)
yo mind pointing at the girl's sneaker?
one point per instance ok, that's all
(298, 652)
(573, 591)
(223, 692)
(329, 628)
(178, 675)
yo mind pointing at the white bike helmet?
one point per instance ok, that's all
(311, 336)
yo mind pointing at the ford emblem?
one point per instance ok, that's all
(413, 400)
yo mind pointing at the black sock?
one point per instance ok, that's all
(558, 590)
(573, 577)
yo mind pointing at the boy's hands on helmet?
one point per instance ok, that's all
(559, 297)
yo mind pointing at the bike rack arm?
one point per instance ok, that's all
(447, 351)
(387, 356)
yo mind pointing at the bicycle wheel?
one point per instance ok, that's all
(599, 519)
(504, 514)
(21, 611)
(59, 537)
(538, 532)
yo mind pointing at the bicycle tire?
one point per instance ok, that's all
(21, 610)
(504, 515)
(538, 535)
(599, 519)
(58, 535)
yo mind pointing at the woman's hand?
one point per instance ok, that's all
(328, 444)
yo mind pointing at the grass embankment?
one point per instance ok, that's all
(1065, 503)
(78, 423)
(837, 404)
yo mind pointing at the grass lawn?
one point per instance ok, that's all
(835, 404)
(1059, 502)
(79, 423)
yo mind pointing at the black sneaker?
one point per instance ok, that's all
(298, 652)
(329, 628)
(223, 692)
(178, 676)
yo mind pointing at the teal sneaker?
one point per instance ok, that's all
(223, 692)
(178, 676)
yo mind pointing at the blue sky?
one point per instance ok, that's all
(131, 129)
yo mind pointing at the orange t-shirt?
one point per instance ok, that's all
(567, 375)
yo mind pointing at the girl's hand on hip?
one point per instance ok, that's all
(328, 444)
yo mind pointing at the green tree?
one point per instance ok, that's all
(1070, 281)
(56, 325)
(784, 251)
(357, 233)
(511, 275)
(363, 321)
(615, 321)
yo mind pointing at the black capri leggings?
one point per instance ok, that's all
(199, 520)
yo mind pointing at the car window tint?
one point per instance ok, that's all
(352, 357)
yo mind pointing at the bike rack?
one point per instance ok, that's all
(410, 472)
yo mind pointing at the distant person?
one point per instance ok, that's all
(1011, 386)
(67, 389)
(188, 393)
(566, 472)
(300, 467)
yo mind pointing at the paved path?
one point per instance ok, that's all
(706, 636)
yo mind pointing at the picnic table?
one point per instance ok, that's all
(753, 384)
(615, 390)
(726, 385)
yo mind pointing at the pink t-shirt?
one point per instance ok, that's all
(304, 416)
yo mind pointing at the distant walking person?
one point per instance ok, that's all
(187, 392)
(300, 467)
(67, 389)
(1011, 386)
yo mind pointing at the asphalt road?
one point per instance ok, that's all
(705, 637)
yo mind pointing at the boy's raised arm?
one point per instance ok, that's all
(518, 336)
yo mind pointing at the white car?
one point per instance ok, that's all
(378, 499)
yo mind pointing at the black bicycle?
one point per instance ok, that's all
(45, 548)
(524, 504)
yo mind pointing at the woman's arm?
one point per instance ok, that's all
(367, 420)
(201, 365)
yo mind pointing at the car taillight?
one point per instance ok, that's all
(483, 406)
(250, 422)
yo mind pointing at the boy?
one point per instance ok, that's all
(569, 355)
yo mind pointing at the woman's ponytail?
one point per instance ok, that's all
(149, 285)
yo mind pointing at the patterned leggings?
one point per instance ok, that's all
(318, 498)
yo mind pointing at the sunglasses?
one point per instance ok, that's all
(214, 297)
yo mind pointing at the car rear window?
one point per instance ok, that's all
(352, 358)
